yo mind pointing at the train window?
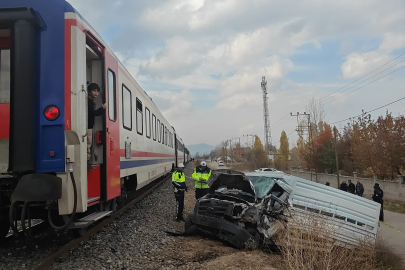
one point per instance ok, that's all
(158, 130)
(126, 108)
(166, 138)
(139, 117)
(5, 76)
(147, 122)
(162, 131)
(111, 95)
(154, 127)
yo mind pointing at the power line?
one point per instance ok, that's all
(287, 116)
(364, 85)
(373, 76)
(368, 111)
(329, 101)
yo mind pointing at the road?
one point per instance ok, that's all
(214, 166)
(392, 230)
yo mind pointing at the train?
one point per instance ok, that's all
(49, 54)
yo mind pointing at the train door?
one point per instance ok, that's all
(111, 187)
(5, 44)
(104, 181)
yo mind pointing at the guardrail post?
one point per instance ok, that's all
(354, 176)
(374, 178)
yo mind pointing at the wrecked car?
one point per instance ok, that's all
(243, 209)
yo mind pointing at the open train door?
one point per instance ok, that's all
(111, 183)
(5, 44)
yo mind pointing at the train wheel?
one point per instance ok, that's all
(4, 229)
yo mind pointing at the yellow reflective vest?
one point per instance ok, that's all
(179, 181)
(178, 177)
(205, 174)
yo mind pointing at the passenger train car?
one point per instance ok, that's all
(48, 56)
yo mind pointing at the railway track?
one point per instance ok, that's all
(64, 251)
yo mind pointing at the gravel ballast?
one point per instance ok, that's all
(133, 240)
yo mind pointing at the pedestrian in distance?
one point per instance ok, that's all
(359, 189)
(328, 184)
(378, 197)
(343, 186)
(180, 187)
(351, 188)
(201, 176)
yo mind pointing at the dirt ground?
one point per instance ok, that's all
(200, 252)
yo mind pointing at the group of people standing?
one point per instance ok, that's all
(201, 175)
(358, 189)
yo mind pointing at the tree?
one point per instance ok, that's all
(284, 146)
(259, 156)
(283, 153)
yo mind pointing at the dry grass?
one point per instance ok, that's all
(394, 206)
(308, 243)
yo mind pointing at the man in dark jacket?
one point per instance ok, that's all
(359, 188)
(93, 90)
(343, 186)
(351, 188)
(378, 197)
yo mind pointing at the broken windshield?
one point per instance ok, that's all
(262, 185)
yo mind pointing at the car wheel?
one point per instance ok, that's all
(253, 242)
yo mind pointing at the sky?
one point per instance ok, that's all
(202, 61)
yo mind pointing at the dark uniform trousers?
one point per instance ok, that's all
(200, 192)
(179, 203)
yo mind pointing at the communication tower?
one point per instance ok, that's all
(267, 130)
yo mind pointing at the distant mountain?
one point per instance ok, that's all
(201, 148)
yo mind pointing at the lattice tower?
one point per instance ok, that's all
(267, 130)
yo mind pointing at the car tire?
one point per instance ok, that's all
(254, 242)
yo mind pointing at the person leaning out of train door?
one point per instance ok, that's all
(93, 90)
(179, 184)
(201, 176)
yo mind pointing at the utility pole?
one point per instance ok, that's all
(309, 129)
(336, 156)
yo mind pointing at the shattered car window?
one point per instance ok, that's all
(262, 185)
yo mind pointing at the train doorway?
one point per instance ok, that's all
(95, 134)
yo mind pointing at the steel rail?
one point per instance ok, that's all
(64, 251)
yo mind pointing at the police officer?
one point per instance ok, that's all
(378, 197)
(179, 184)
(201, 176)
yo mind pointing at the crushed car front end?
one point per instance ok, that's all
(242, 209)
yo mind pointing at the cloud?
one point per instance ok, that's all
(392, 41)
(226, 46)
(359, 64)
(173, 104)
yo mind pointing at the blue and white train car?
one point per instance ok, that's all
(48, 56)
